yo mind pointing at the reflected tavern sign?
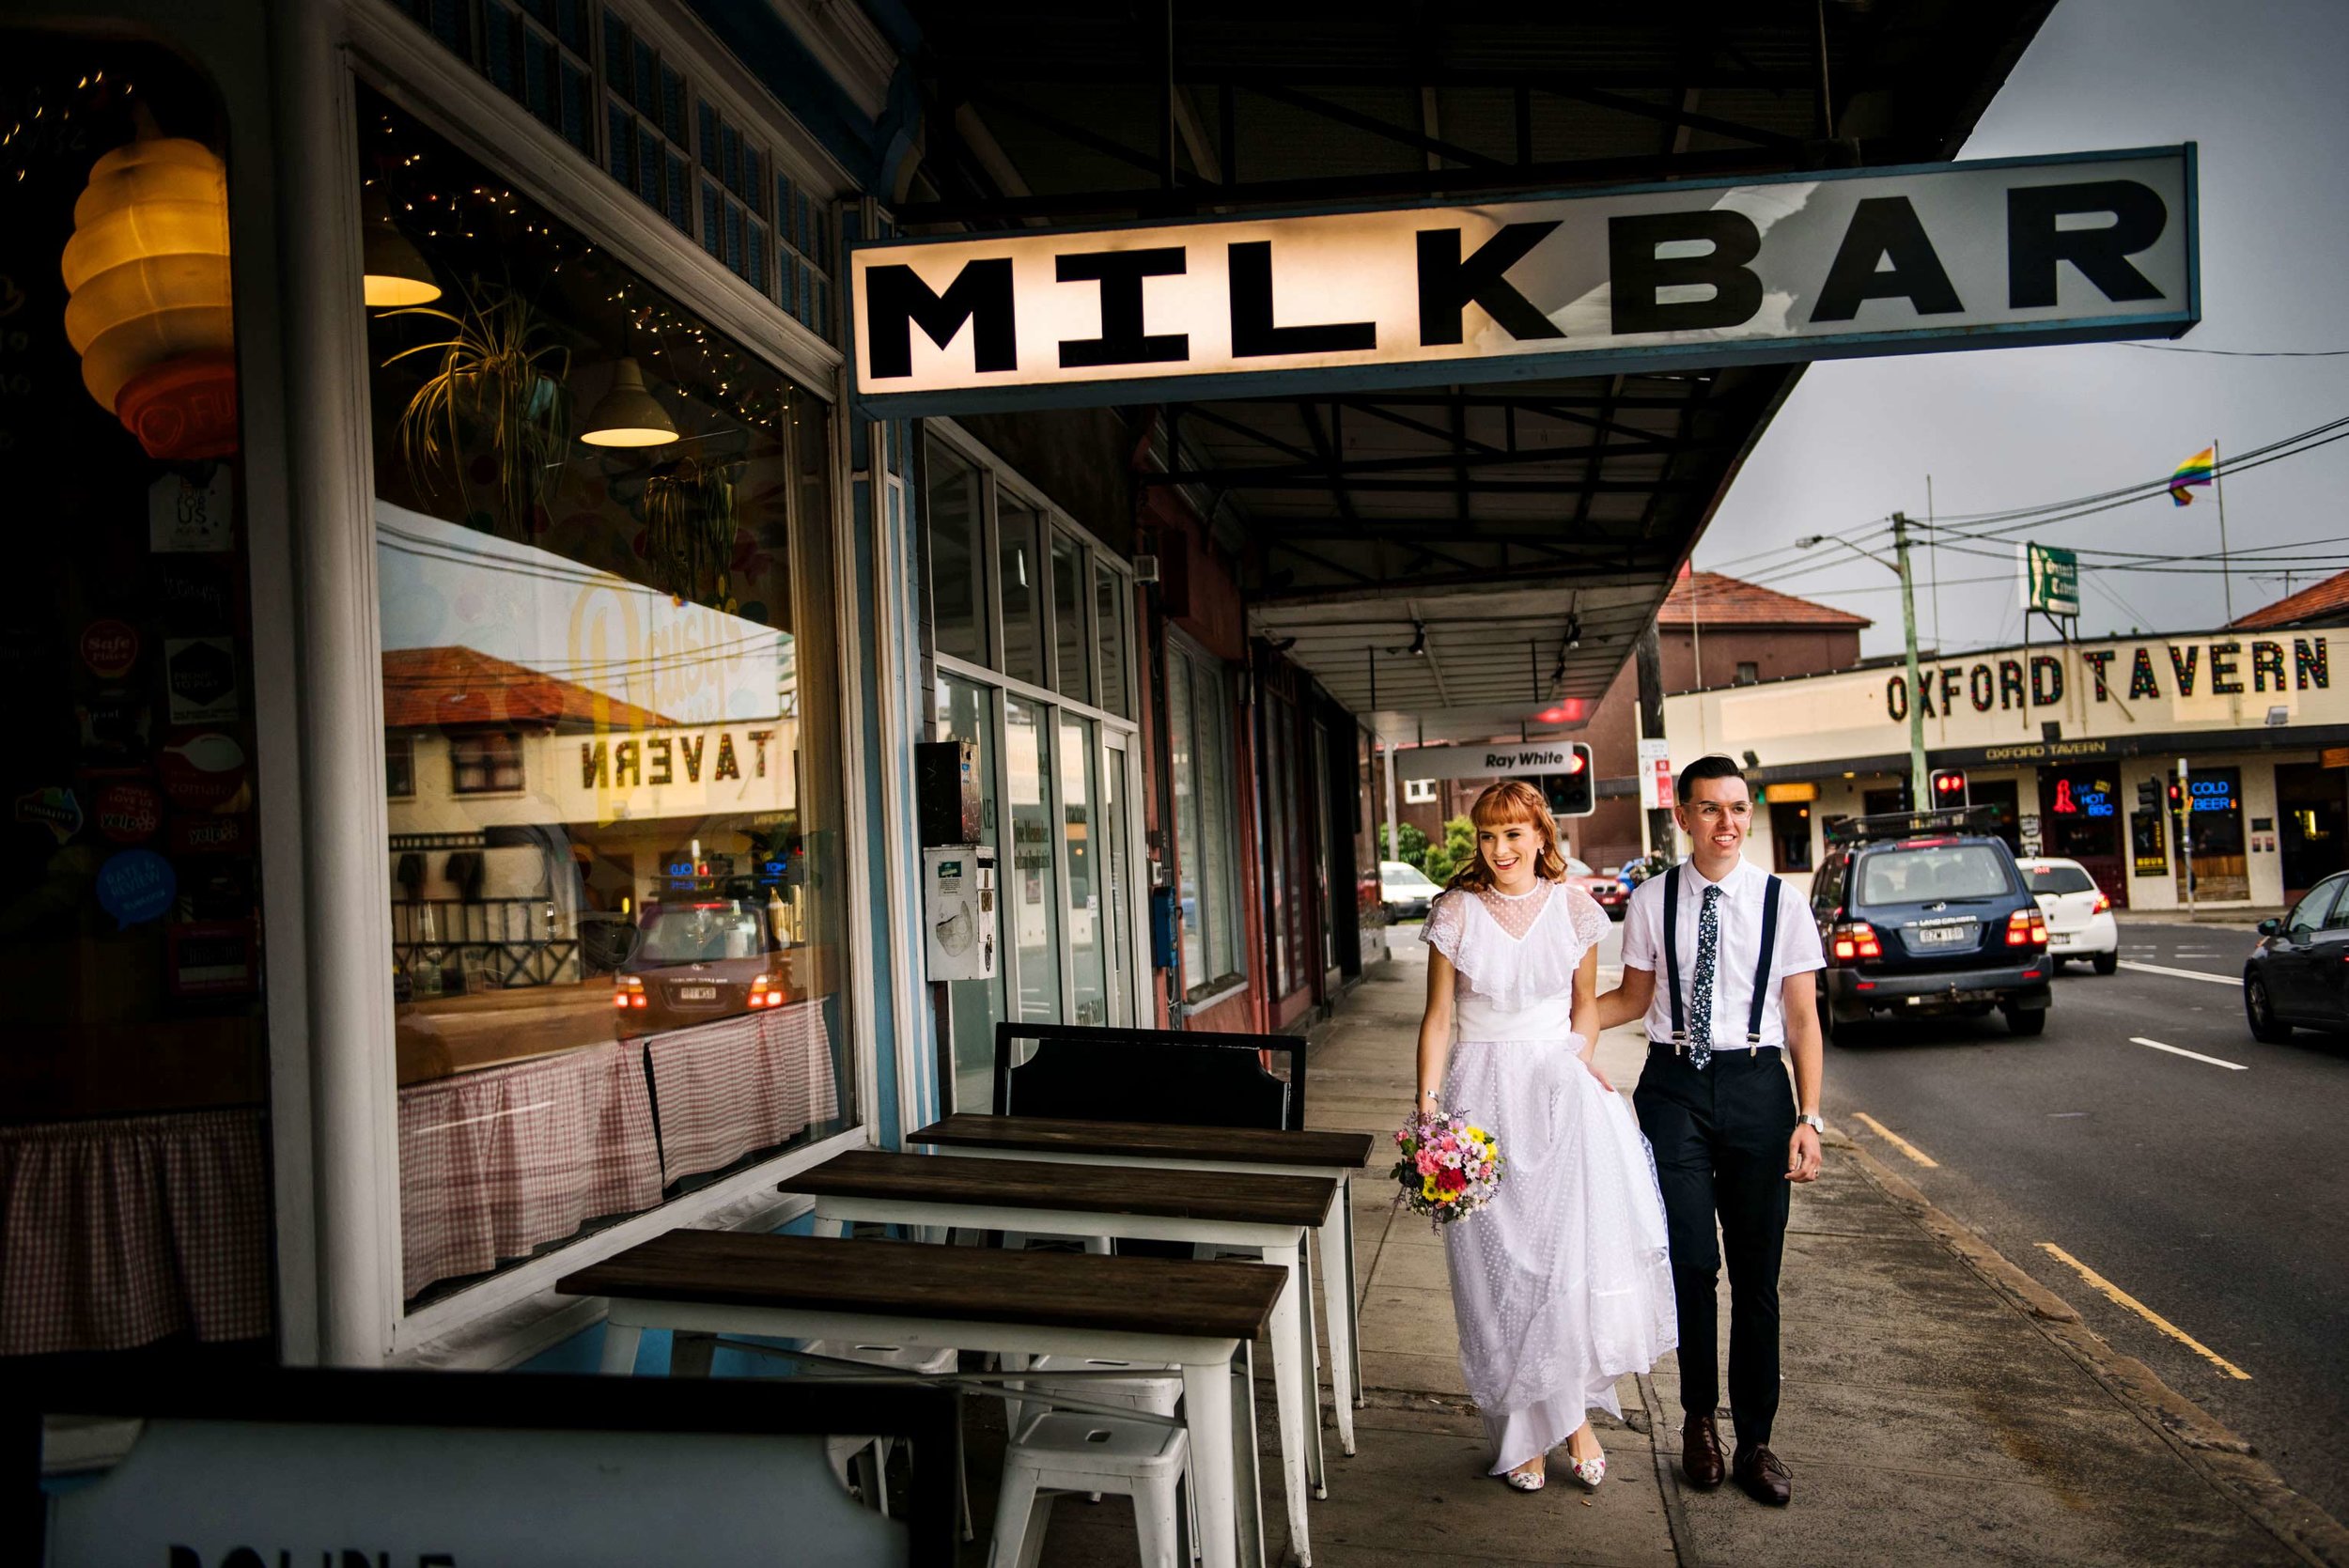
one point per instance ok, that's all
(1811, 266)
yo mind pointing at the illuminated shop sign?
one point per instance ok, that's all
(2225, 668)
(1820, 265)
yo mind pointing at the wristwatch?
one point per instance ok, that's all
(1815, 1124)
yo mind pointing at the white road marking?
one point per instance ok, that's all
(2195, 1055)
(2181, 974)
(2121, 1297)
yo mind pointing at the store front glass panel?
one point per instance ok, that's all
(1081, 830)
(1029, 891)
(958, 545)
(1073, 649)
(1219, 823)
(1117, 892)
(619, 920)
(1182, 750)
(2214, 823)
(1111, 593)
(1021, 572)
(966, 711)
(134, 1202)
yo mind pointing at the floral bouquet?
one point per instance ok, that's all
(1447, 1169)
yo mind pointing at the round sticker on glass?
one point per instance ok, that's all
(136, 886)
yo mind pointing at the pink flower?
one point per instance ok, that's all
(1427, 1162)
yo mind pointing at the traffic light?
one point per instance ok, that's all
(2149, 796)
(2177, 795)
(1572, 793)
(1948, 785)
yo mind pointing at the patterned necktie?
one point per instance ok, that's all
(1701, 990)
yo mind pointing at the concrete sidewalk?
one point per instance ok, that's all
(1940, 1406)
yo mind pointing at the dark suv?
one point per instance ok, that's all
(1925, 912)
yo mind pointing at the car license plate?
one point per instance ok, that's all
(697, 993)
(1946, 935)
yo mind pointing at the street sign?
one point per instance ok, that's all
(2051, 579)
(1489, 762)
(1656, 775)
(1691, 274)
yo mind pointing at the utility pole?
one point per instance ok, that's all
(2226, 564)
(1648, 654)
(1901, 526)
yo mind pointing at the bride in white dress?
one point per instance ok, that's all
(1561, 1283)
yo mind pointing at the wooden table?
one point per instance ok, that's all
(1194, 1314)
(1267, 1215)
(1337, 1156)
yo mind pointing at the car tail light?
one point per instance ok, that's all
(1855, 939)
(764, 993)
(627, 991)
(2103, 905)
(2027, 928)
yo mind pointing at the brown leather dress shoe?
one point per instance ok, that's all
(1701, 1452)
(1764, 1475)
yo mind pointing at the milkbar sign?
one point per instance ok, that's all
(1835, 264)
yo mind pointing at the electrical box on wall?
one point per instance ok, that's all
(958, 911)
(946, 792)
(1165, 920)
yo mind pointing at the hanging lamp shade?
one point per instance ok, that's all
(627, 416)
(396, 273)
(148, 273)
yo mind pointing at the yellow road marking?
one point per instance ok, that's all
(1903, 1144)
(2123, 1298)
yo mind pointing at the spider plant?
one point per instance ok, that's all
(499, 377)
(689, 528)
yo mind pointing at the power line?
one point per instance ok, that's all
(2238, 354)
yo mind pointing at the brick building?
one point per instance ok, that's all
(1713, 630)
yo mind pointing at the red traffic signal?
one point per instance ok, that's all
(1948, 786)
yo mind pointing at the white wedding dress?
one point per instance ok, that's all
(1562, 1284)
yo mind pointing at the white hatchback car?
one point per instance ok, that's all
(1404, 889)
(2079, 916)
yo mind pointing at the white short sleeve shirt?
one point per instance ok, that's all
(1796, 950)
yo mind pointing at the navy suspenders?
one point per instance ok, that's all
(1679, 1041)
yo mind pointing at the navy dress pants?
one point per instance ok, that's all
(1720, 1136)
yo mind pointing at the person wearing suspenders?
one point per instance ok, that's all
(1729, 1133)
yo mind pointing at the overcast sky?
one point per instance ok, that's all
(2258, 84)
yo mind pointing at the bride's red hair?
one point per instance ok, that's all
(1512, 800)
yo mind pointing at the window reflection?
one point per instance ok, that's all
(609, 690)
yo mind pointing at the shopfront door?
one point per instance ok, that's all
(2313, 825)
(2079, 820)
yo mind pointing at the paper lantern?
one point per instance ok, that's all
(147, 269)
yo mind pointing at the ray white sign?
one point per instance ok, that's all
(1815, 266)
(1487, 761)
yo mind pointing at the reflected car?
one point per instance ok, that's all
(712, 958)
(1605, 887)
(1405, 889)
(2080, 914)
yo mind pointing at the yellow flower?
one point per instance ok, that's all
(1477, 1133)
(1427, 1189)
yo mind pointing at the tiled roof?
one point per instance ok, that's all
(463, 688)
(2326, 600)
(1725, 601)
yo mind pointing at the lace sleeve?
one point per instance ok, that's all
(1589, 921)
(1445, 917)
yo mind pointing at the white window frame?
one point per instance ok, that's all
(1418, 792)
(998, 481)
(1203, 991)
(513, 1315)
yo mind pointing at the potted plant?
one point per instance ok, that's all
(499, 381)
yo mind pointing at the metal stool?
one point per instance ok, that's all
(1066, 1452)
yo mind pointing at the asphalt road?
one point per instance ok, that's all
(2217, 1199)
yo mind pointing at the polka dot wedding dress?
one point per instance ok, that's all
(1562, 1282)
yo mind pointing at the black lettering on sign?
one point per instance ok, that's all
(1635, 274)
(1978, 688)
(2224, 680)
(1953, 676)
(1446, 283)
(2010, 684)
(1896, 698)
(2310, 663)
(2046, 692)
(896, 300)
(1885, 228)
(1253, 336)
(2097, 665)
(2267, 658)
(2184, 668)
(1120, 274)
(2035, 244)
(2141, 683)
(659, 769)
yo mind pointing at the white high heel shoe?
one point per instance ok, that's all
(1527, 1481)
(1591, 1471)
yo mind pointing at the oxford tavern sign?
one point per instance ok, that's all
(1811, 266)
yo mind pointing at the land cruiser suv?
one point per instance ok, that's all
(1925, 912)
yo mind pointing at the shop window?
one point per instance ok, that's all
(644, 106)
(1109, 596)
(1019, 577)
(1418, 792)
(485, 764)
(133, 1088)
(734, 198)
(604, 549)
(1748, 672)
(536, 52)
(804, 238)
(957, 556)
(1199, 732)
(399, 767)
(1072, 648)
(1790, 836)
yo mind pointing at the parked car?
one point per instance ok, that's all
(1405, 889)
(2298, 975)
(710, 958)
(1605, 887)
(1927, 912)
(2079, 915)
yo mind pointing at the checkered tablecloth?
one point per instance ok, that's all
(494, 1164)
(118, 1232)
(750, 1082)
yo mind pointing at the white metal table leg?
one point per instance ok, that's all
(1291, 1398)
(1353, 1290)
(1207, 1411)
(619, 1349)
(1337, 1300)
(1317, 1464)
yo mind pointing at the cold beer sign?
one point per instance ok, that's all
(1816, 266)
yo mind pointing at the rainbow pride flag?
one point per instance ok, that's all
(2194, 470)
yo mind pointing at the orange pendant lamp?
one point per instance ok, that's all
(147, 269)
